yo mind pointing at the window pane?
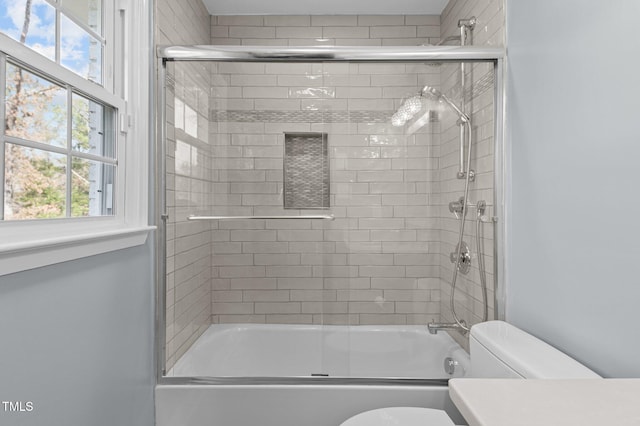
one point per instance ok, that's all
(35, 183)
(92, 185)
(90, 121)
(36, 109)
(80, 52)
(32, 23)
(89, 12)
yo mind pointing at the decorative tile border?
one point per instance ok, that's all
(302, 116)
(485, 83)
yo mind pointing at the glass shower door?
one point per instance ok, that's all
(300, 212)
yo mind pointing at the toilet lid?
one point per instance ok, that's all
(400, 416)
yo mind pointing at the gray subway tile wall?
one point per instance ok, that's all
(384, 260)
(334, 30)
(348, 271)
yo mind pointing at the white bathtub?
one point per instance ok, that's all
(305, 351)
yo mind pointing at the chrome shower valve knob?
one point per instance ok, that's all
(462, 260)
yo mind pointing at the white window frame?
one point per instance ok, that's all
(27, 244)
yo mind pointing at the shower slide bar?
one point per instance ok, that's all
(324, 217)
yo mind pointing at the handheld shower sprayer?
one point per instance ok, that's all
(412, 105)
(409, 108)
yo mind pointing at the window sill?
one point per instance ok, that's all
(34, 253)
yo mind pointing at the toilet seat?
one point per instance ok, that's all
(400, 416)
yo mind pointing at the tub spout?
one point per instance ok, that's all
(434, 327)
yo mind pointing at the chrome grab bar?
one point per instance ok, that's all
(325, 217)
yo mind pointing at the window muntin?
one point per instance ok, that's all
(68, 32)
(59, 149)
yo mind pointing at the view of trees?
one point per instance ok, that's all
(36, 179)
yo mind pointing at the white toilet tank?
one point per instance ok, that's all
(500, 350)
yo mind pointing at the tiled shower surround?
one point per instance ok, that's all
(384, 259)
(489, 31)
(377, 262)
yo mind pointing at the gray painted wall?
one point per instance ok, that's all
(574, 127)
(76, 339)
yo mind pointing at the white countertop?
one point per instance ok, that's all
(518, 402)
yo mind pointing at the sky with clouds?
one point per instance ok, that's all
(75, 43)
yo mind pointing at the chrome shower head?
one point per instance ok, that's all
(411, 106)
(407, 110)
